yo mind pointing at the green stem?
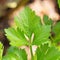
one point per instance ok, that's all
(32, 58)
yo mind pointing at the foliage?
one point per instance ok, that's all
(47, 20)
(28, 32)
(46, 52)
(16, 37)
(14, 53)
(56, 30)
(59, 3)
(1, 50)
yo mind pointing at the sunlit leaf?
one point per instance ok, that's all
(28, 22)
(42, 35)
(16, 37)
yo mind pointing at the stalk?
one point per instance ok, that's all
(32, 37)
(32, 57)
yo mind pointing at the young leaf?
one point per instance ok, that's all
(47, 20)
(1, 50)
(14, 53)
(16, 37)
(47, 53)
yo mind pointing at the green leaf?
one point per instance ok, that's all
(27, 21)
(59, 3)
(56, 30)
(46, 52)
(1, 50)
(14, 53)
(42, 35)
(47, 20)
(16, 37)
